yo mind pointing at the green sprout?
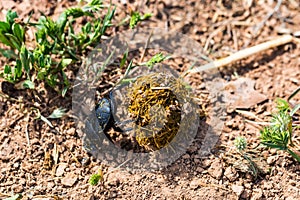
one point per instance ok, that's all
(136, 18)
(157, 58)
(95, 178)
(240, 143)
(244, 158)
(278, 134)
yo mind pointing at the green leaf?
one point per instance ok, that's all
(87, 28)
(26, 84)
(46, 121)
(8, 53)
(57, 113)
(61, 22)
(19, 32)
(294, 110)
(7, 69)
(94, 179)
(77, 12)
(136, 17)
(93, 6)
(4, 27)
(15, 43)
(282, 105)
(41, 74)
(66, 81)
(64, 91)
(157, 58)
(10, 17)
(294, 93)
(146, 16)
(6, 41)
(24, 57)
(296, 156)
(107, 19)
(52, 80)
(123, 61)
(18, 69)
(275, 146)
(96, 3)
(65, 62)
(110, 14)
(41, 117)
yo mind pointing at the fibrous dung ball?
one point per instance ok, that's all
(155, 106)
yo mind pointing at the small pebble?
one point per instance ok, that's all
(194, 183)
(216, 170)
(238, 189)
(271, 160)
(231, 174)
(69, 179)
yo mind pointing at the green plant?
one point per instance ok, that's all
(240, 143)
(279, 133)
(56, 114)
(246, 155)
(57, 45)
(157, 58)
(12, 33)
(95, 178)
(137, 17)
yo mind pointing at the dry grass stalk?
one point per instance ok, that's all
(244, 54)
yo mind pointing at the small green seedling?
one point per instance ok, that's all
(136, 17)
(157, 58)
(95, 178)
(279, 133)
(240, 143)
(56, 114)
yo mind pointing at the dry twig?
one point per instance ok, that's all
(244, 53)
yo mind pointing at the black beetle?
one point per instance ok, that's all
(103, 112)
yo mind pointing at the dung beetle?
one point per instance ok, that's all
(104, 109)
(104, 112)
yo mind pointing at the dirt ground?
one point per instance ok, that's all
(222, 28)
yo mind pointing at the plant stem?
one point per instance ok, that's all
(295, 155)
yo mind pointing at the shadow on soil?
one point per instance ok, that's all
(254, 63)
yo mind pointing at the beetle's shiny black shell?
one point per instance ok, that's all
(103, 112)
